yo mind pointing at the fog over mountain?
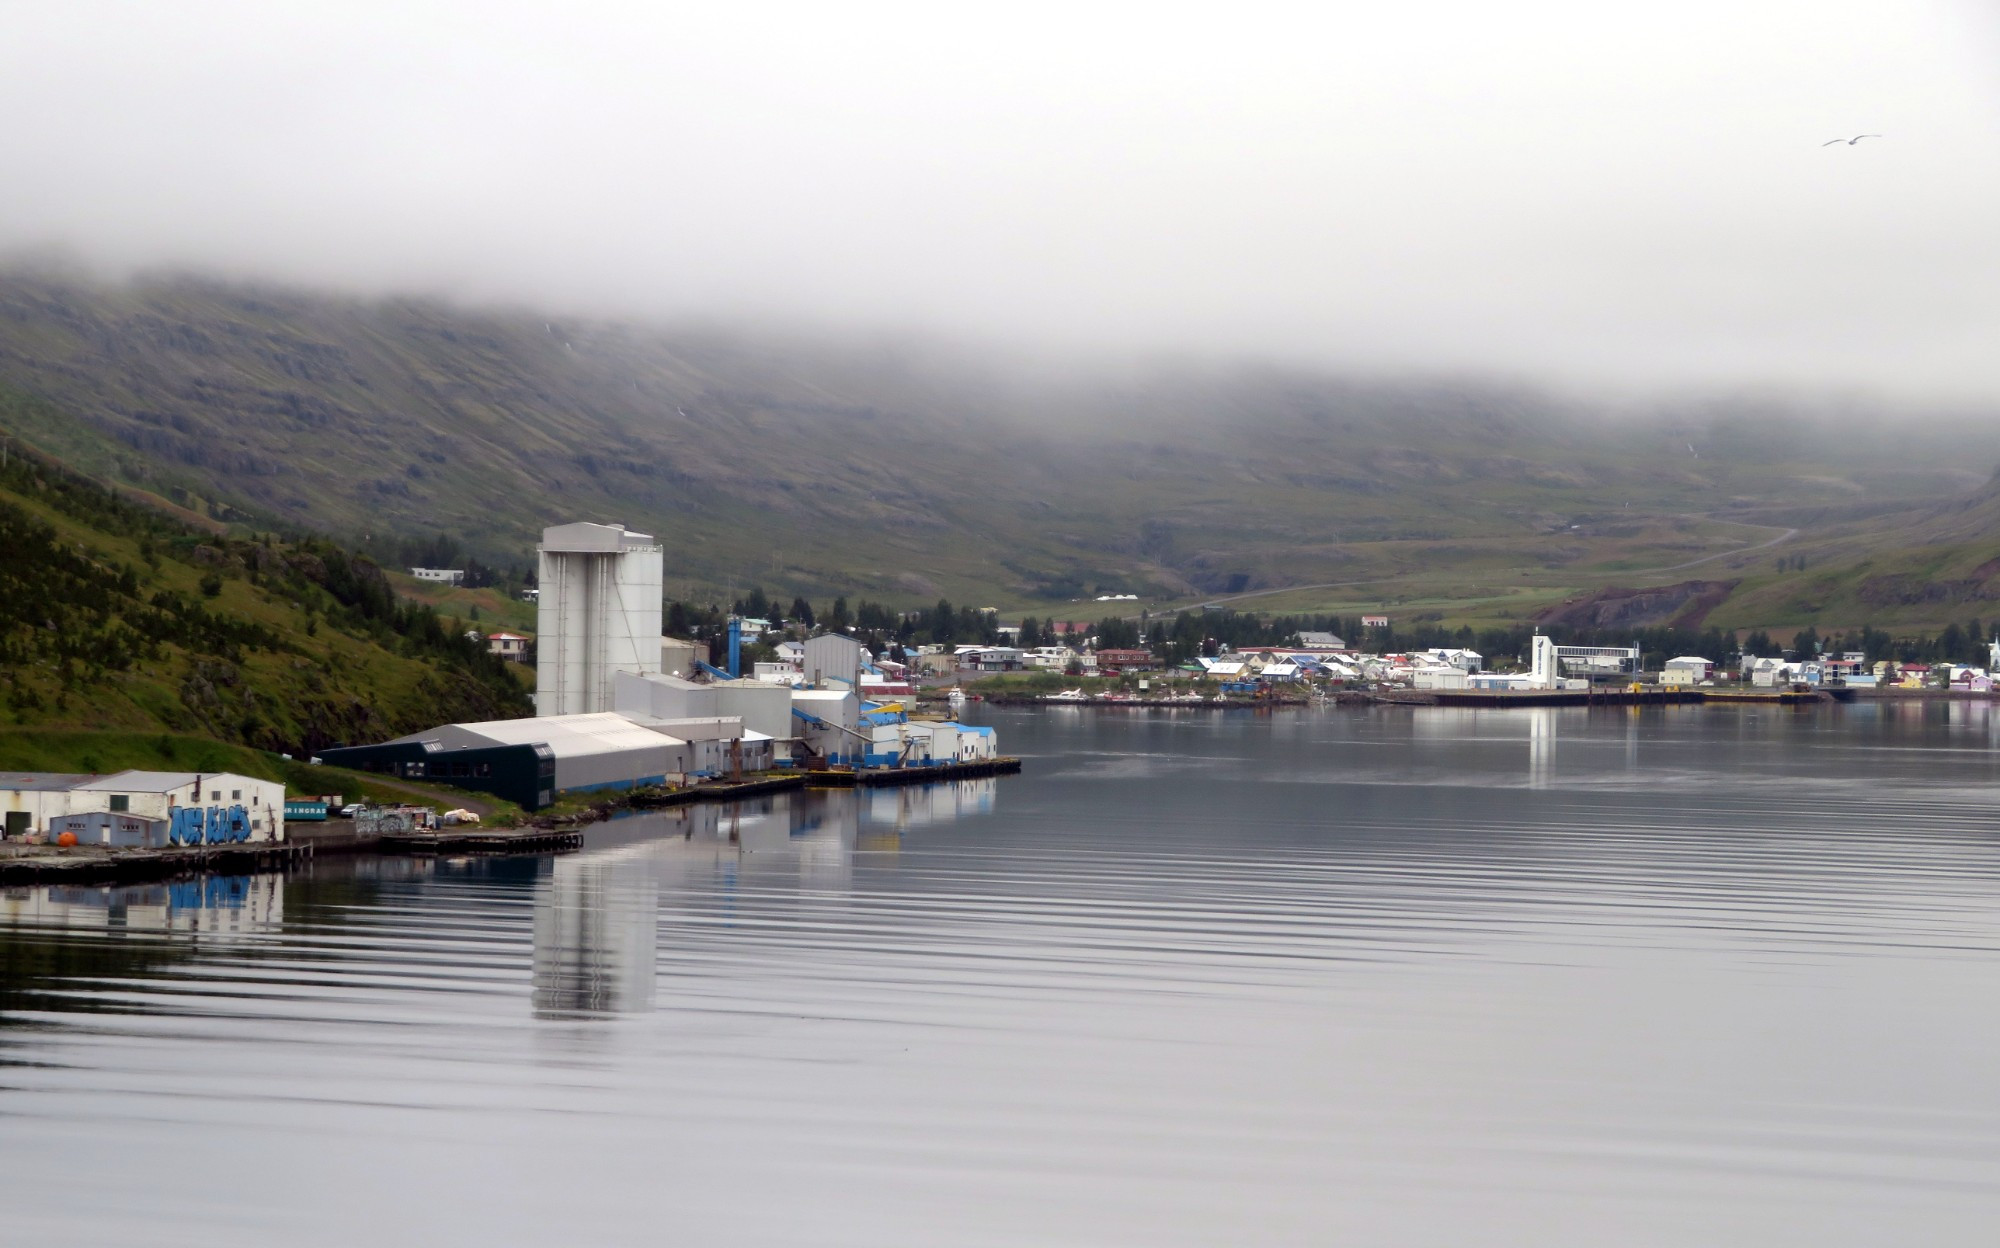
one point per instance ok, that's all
(1623, 197)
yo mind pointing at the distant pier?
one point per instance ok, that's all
(1648, 695)
(76, 864)
(470, 838)
(877, 777)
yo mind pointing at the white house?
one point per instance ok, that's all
(507, 645)
(1463, 660)
(1689, 669)
(441, 576)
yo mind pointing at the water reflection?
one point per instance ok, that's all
(1541, 745)
(216, 905)
(596, 943)
(1717, 977)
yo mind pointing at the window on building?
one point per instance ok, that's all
(215, 795)
(236, 795)
(121, 802)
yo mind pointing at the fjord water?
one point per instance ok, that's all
(1388, 976)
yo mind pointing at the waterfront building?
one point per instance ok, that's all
(530, 762)
(140, 808)
(599, 614)
(1688, 669)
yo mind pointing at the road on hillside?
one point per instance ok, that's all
(1786, 536)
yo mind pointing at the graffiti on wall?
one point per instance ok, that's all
(212, 825)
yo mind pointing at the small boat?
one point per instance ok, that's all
(1067, 695)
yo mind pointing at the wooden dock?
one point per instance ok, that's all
(1650, 695)
(715, 791)
(470, 838)
(877, 777)
(1780, 697)
(52, 864)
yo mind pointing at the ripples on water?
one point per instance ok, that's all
(1670, 977)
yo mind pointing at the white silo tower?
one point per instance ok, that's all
(599, 614)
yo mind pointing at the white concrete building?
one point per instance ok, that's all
(140, 807)
(599, 615)
(677, 656)
(764, 710)
(833, 660)
(1439, 676)
(441, 576)
(837, 713)
(28, 800)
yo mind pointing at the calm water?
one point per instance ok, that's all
(1677, 976)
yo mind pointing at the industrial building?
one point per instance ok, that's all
(598, 614)
(833, 657)
(762, 707)
(530, 761)
(677, 657)
(829, 726)
(615, 708)
(144, 808)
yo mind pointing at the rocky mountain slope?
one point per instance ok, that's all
(908, 472)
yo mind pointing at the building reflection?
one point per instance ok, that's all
(885, 815)
(597, 912)
(595, 943)
(215, 906)
(1541, 745)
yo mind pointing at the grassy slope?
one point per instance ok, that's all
(85, 653)
(904, 476)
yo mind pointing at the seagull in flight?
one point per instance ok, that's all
(1850, 142)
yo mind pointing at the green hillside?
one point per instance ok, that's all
(117, 618)
(907, 473)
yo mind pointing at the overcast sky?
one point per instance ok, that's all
(1634, 193)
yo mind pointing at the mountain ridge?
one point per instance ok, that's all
(903, 472)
